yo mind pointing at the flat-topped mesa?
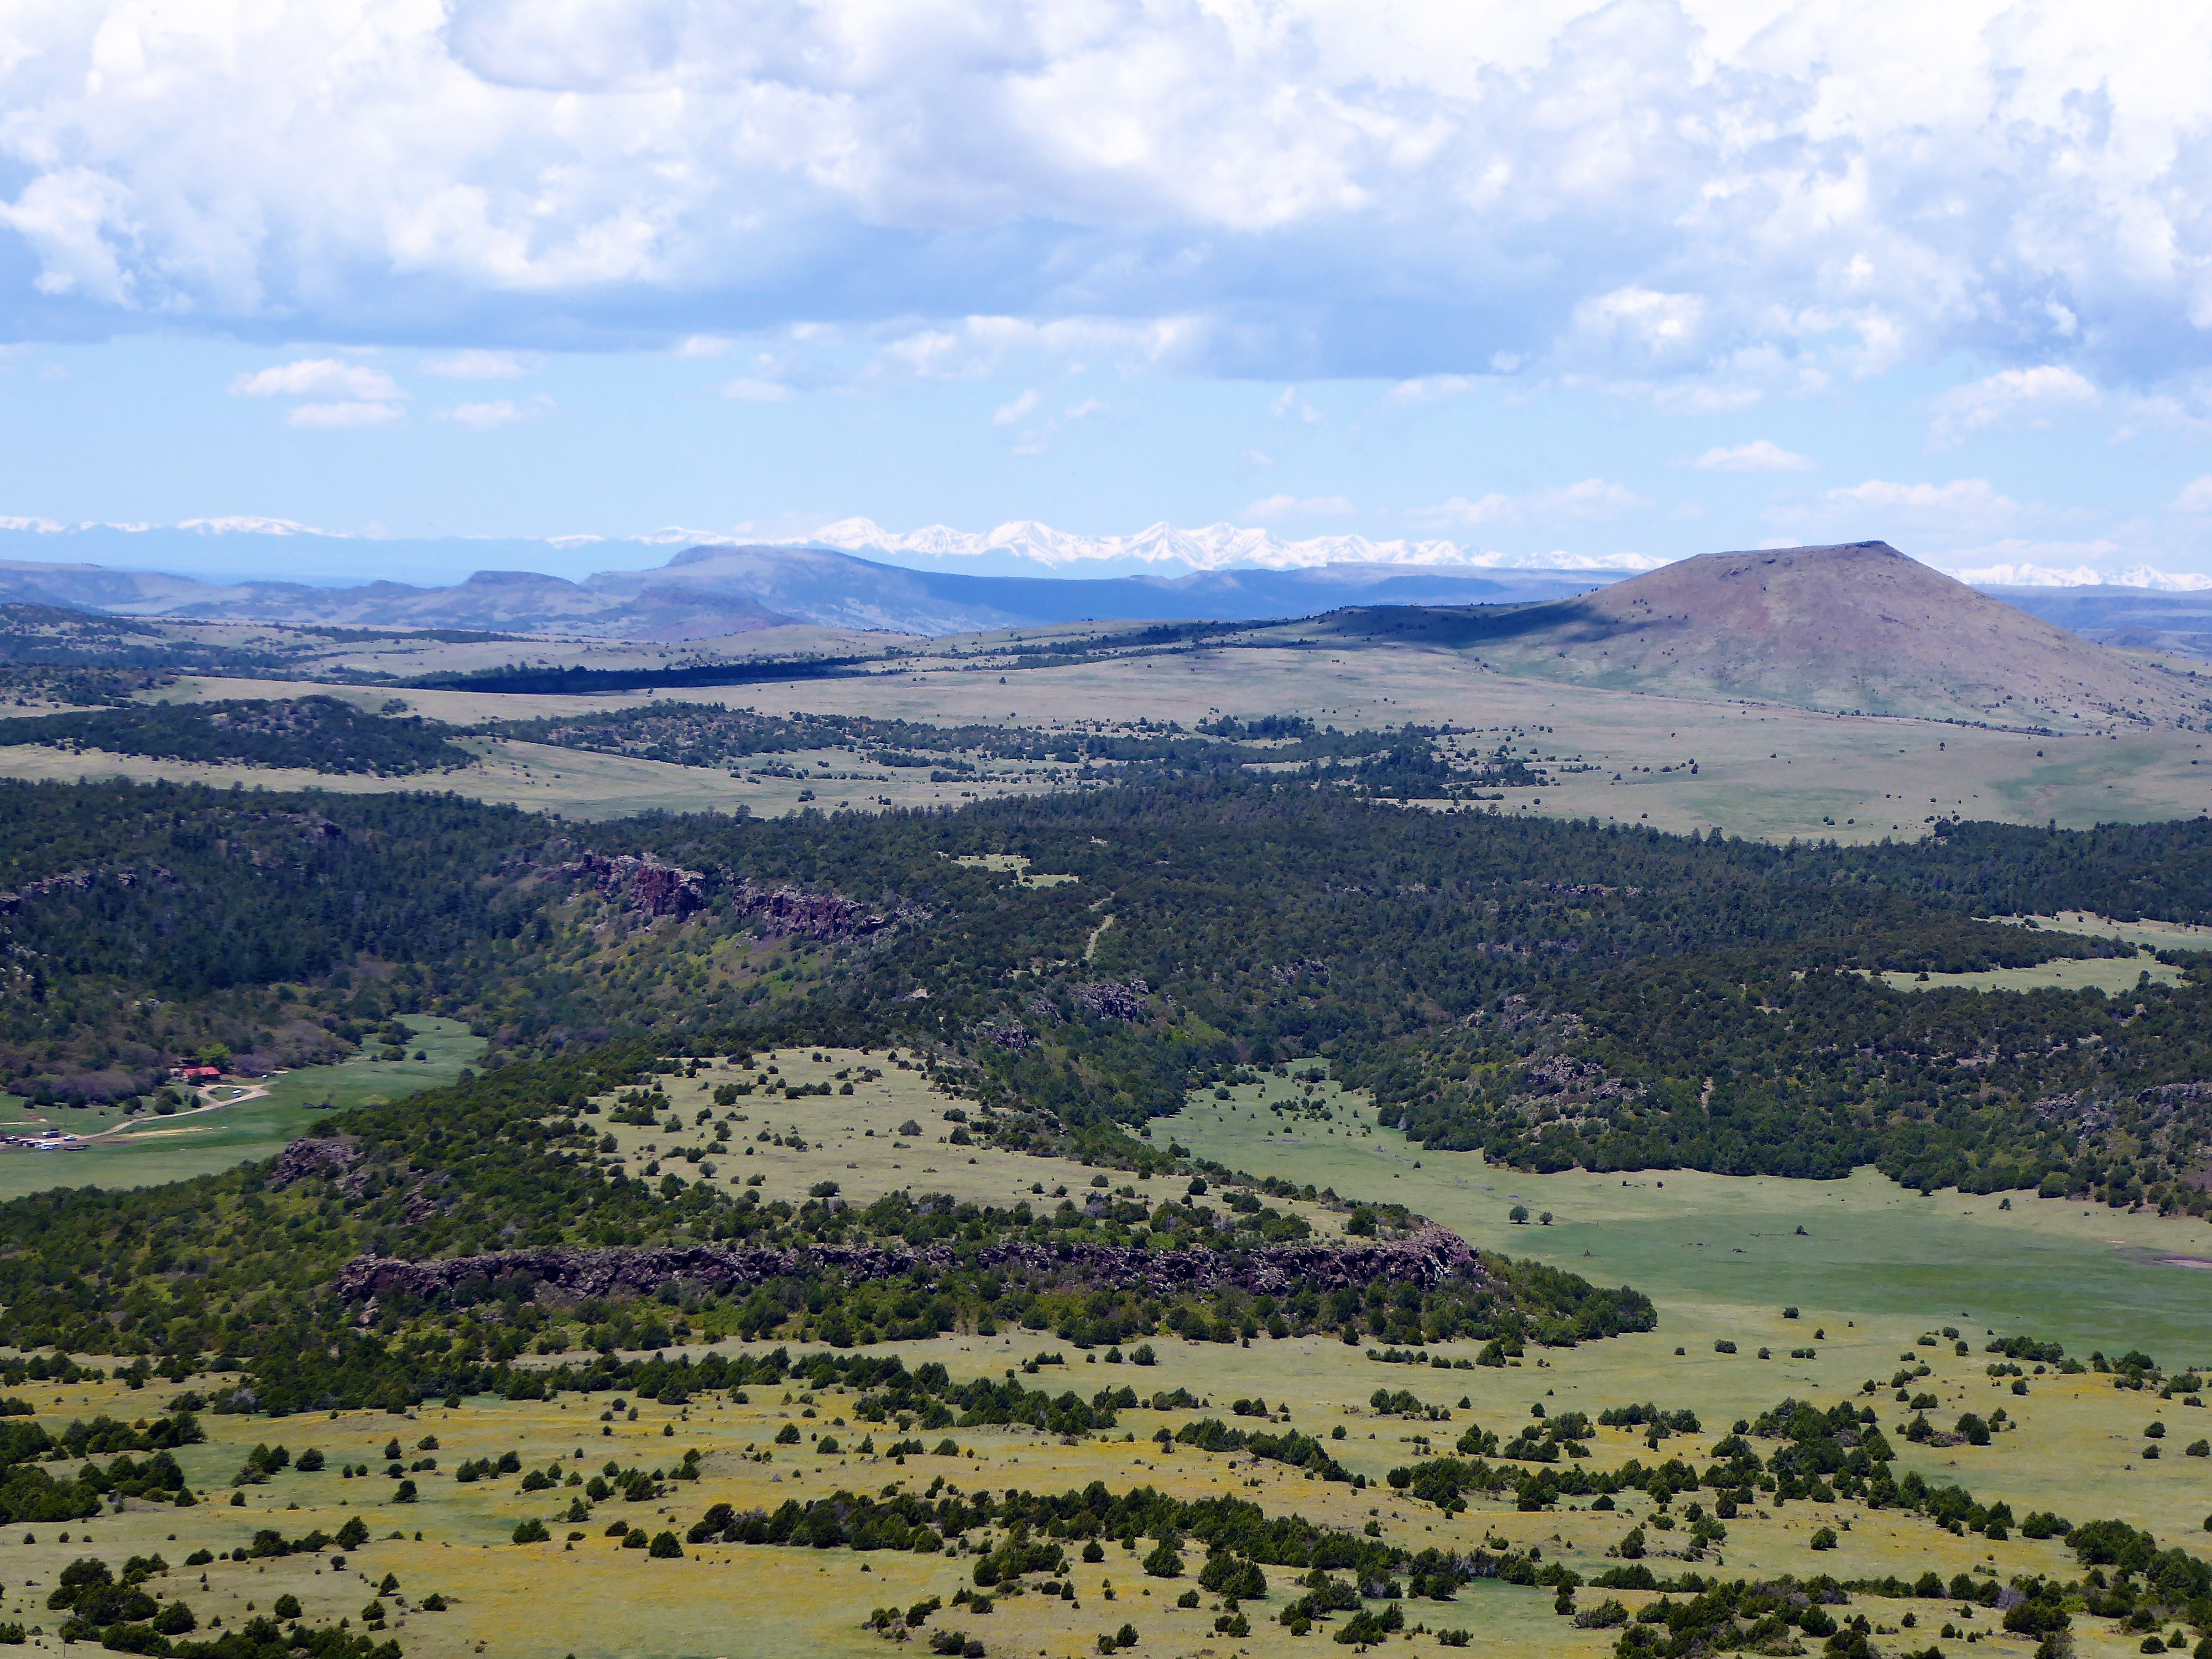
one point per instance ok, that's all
(1429, 1257)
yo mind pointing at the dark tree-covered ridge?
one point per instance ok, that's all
(315, 733)
(1552, 991)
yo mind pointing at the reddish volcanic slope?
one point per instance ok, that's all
(1858, 627)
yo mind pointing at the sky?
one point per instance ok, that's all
(1535, 282)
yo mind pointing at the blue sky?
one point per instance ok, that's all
(1615, 283)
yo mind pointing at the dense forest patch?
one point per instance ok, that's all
(1554, 992)
(317, 734)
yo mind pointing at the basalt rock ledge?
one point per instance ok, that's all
(1429, 1257)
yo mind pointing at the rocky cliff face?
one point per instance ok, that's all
(1429, 1257)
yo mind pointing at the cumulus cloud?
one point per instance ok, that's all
(977, 347)
(1641, 189)
(78, 222)
(2012, 396)
(1760, 455)
(1017, 409)
(2195, 496)
(1961, 495)
(310, 376)
(1641, 325)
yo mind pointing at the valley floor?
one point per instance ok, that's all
(1764, 771)
(1883, 1282)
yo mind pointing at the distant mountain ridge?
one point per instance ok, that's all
(2131, 618)
(710, 591)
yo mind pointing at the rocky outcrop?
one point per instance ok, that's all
(313, 1156)
(1429, 1257)
(2077, 1109)
(642, 883)
(1122, 999)
(794, 912)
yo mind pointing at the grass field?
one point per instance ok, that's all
(2152, 935)
(1721, 1252)
(586, 1595)
(2111, 975)
(1876, 1276)
(855, 1140)
(1764, 770)
(147, 1150)
(573, 783)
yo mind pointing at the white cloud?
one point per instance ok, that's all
(977, 347)
(81, 223)
(704, 346)
(2013, 396)
(1215, 547)
(1432, 388)
(1640, 324)
(476, 364)
(1036, 439)
(337, 416)
(1760, 455)
(2195, 496)
(309, 376)
(1961, 495)
(1287, 402)
(1257, 458)
(1634, 192)
(1291, 507)
(749, 390)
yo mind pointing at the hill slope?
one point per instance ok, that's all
(1858, 627)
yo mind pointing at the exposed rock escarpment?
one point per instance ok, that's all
(1429, 1257)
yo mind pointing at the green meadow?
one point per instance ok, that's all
(1710, 1248)
(146, 1149)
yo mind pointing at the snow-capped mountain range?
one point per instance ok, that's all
(260, 548)
(1163, 547)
